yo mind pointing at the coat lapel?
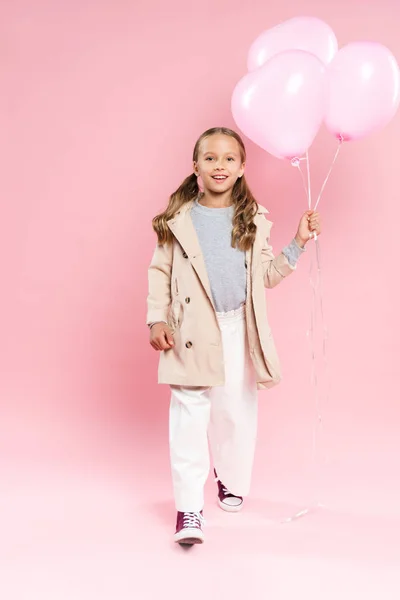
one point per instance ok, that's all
(183, 229)
(263, 229)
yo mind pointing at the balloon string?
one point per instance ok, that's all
(325, 330)
(329, 172)
(303, 179)
(308, 181)
(320, 290)
(306, 185)
(309, 189)
(325, 333)
(316, 287)
(317, 302)
(316, 290)
(314, 373)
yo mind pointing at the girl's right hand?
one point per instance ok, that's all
(161, 337)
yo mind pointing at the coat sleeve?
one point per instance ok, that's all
(275, 268)
(159, 276)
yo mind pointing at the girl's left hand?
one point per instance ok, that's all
(309, 223)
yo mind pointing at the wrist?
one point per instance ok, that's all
(300, 242)
(150, 325)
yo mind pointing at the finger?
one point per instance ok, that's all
(164, 344)
(154, 346)
(160, 342)
(168, 338)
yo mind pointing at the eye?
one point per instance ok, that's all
(209, 158)
(231, 158)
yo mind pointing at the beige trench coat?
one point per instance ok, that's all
(180, 294)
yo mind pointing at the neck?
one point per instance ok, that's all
(216, 200)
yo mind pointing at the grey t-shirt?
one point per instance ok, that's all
(225, 265)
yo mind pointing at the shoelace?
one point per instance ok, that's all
(226, 492)
(193, 519)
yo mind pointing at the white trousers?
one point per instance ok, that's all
(222, 417)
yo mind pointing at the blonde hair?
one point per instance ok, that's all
(244, 229)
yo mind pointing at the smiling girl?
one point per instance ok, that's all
(207, 315)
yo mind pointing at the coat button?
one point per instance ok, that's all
(185, 255)
(187, 300)
(188, 344)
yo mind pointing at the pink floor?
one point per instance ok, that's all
(96, 520)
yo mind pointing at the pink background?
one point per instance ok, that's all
(101, 104)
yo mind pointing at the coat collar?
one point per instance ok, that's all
(187, 207)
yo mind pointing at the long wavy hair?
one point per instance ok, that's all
(243, 230)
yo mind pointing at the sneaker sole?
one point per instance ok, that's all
(228, 508)
(189, 537)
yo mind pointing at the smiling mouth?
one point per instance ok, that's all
(220, 177)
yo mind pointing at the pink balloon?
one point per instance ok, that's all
(300, 33)
(281, 105)
(363, 91)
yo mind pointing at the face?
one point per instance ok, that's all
(219, 163)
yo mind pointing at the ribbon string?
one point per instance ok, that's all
(315, 280)
(329, 172)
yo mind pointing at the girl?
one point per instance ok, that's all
(207, 315)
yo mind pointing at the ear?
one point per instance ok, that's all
(241, 172)
(195, 168)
